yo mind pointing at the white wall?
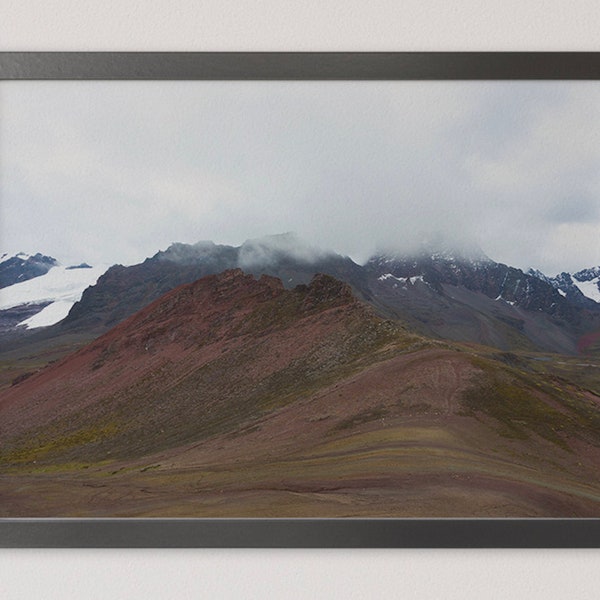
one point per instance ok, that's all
(305, 25)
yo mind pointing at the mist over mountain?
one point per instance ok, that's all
(433, 245)
(123, 290)
(443, 288)
(273, 249)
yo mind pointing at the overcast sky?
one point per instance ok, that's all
(111, 172)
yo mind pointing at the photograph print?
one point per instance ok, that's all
(300, 299)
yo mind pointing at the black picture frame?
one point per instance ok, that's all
(300, 533)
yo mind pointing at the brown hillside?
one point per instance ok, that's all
(232, 396)
(198, 361)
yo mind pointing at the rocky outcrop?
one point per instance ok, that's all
(22, 267)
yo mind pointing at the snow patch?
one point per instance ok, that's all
(499, 297)
(589, 289)
(403, 280)
(51, 314)
(60, 286)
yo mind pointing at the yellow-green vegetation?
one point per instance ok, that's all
(34, 468)
(53, 443)
(524, 403)
(517, 409)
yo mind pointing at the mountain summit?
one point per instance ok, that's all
(199, 360)
(121, 291)
(581, 288)
(21, 267)
(442, 289)
(444, 292)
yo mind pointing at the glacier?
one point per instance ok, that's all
(60, 286)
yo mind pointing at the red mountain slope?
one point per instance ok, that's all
(232, 396)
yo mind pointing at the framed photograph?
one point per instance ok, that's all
(300, 299)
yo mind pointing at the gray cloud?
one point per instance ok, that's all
(569, 209)
(269, 249)
(114, 171)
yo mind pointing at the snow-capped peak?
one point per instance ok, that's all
(589, 288)
(539, 275)
(20, 267)
(20, 255)
(23, 256)
(587, 274)
(59, 288)
(582, 284)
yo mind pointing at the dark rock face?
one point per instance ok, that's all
(477, 299)
(121, 291)
(325, 289)
(571, 292)
(566, 284)
(496, 280)
(11, 317)
(587, 274)
(23, 267)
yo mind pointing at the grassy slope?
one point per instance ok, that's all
(369, 421)
(508, 449)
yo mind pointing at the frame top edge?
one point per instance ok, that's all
(333, 66)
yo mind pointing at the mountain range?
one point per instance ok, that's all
(438, 290)
(238, 396)
(581, 288)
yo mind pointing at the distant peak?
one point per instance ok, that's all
(587, 274)
(187, 253)
(536, 273)
(25, 257)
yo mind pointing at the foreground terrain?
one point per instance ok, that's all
(234, 397)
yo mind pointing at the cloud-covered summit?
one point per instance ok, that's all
(122, 168)
(269, 249)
